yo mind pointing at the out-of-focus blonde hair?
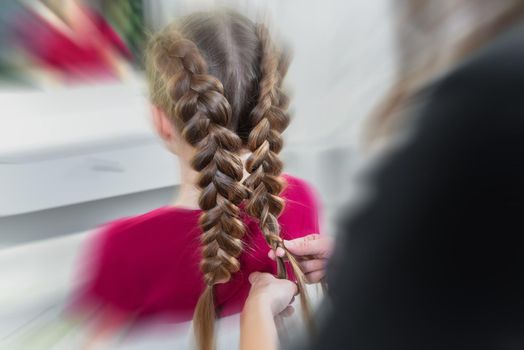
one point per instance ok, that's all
(432, 36)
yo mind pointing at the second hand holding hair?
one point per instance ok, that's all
(312, 253)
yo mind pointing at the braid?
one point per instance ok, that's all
(198, 102)
(265, 142)
(269, 119)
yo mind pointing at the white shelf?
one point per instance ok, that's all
(37, 124)
(44, 184)
(72, 145)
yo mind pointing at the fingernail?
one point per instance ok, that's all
(288, 244)
(280, 252)
(252, 277)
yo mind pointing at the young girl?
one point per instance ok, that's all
(215, 86)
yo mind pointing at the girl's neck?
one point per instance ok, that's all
(188, 193)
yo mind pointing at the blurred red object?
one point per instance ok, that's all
(84, 47)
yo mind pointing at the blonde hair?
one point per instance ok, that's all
(432, 36)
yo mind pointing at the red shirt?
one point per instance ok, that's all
(148, 264)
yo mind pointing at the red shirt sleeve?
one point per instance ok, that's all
(106, 280)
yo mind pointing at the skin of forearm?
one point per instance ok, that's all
(257, 326)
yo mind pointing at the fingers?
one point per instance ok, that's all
(314, 245)
(270, 292)
(260, 278)
(315, 276)
(279, 252)
(308, 266)
(253, 277)
(288, 311)
(314, 270)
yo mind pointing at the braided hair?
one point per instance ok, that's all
(268, 120)
(218, 77)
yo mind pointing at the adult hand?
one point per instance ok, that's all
(269, 291)
(312, 252)
(268, 297)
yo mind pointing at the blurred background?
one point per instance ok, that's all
(76, 146)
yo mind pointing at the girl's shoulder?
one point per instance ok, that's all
(176, 224)
(301, 215)
(298, 192)
(138, 248)
(156, 227)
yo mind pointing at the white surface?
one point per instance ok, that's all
(49, 183)
(37, 124)
(70, 145)
(35, 277)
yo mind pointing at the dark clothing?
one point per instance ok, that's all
(434, 260)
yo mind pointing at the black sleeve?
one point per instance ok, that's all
(433, 260)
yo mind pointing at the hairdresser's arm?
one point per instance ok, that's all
(267, 298)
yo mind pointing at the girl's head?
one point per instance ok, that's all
(229, 49)
(215, 83)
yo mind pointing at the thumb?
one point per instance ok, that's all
(312, 244)
(253, 277)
